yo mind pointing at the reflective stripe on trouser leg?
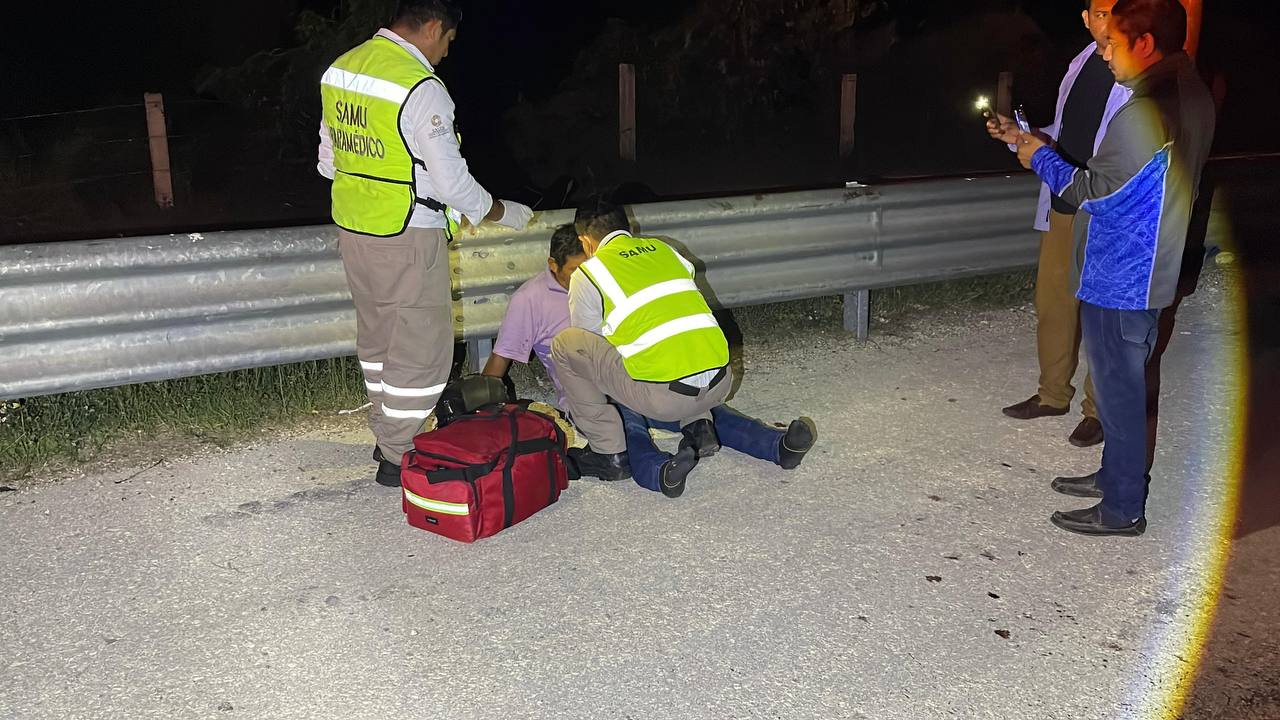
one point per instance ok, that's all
(417, 368)
(400, 286)
(371, 333)
(372, 374)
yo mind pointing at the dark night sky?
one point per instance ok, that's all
(101, 53)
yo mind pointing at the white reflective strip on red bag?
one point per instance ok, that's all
(446, 508)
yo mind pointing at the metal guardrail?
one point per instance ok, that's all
(82, 315)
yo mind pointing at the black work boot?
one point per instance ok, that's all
(701, 436)
(675, 470)
(388, 474)
(795, 443)
(609, 468)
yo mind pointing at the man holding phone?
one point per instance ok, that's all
(1137, 193)
(1087, 100)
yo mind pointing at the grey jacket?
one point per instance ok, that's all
(1136, 196)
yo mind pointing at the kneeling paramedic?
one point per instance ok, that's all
(400, 187)
(642, 333)
(539, 310)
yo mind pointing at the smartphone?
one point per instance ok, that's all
(1020, 117)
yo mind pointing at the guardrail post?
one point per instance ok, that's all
(857, 313)
(848, 111)
(158, 135)
(627, 111)
(478, 352)
(1004, 94)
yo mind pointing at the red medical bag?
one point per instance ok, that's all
(484, 472)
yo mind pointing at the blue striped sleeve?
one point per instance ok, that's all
(1052, 169)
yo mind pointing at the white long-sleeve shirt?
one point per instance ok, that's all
(427, 124)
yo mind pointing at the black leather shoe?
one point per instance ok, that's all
(672, 474)
(609, 468)
(1086, 487)
(795, 443)
(1031, 408)
(1090, 521)
(388, 474)
(1087, 434)
(701, 436)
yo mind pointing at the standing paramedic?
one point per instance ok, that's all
(400, 188)
(1087, 100)
(1135, 201)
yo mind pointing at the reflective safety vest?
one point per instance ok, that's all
(654, 314)
(374, 187)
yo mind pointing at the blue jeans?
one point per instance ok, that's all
(1118, 344)
(736, 431)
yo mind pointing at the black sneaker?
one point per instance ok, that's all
(672, 474)
(795, 443)
(609, 468)
(701, 436)
(388, 474)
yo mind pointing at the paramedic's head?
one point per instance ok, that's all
(1097, 13)
(596, 219)
(566, 254)
(1141, 33)
(429, 25)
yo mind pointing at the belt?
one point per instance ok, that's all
(690, 391)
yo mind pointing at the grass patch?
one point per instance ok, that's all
(213, 408)
(977, 293)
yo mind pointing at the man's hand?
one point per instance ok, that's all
(1003, 129)
(1028, 144)
(514, 215)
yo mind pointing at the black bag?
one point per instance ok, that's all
(468, 394)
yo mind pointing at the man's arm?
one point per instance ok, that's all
(324, 154)
(1134, 137)
(428, 119)
(497, 366)
(586, 308)
(515, 338)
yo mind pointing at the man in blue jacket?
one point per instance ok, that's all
(1135, 200)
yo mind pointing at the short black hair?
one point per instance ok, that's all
(1164, 20)
(565, 244)
(416, 13)
(598, 217)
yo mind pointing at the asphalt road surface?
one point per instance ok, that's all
(906, 570)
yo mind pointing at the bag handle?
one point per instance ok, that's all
(470, 474)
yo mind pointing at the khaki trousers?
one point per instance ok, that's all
(591, 371)
(404, 328)
(1058, 319)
